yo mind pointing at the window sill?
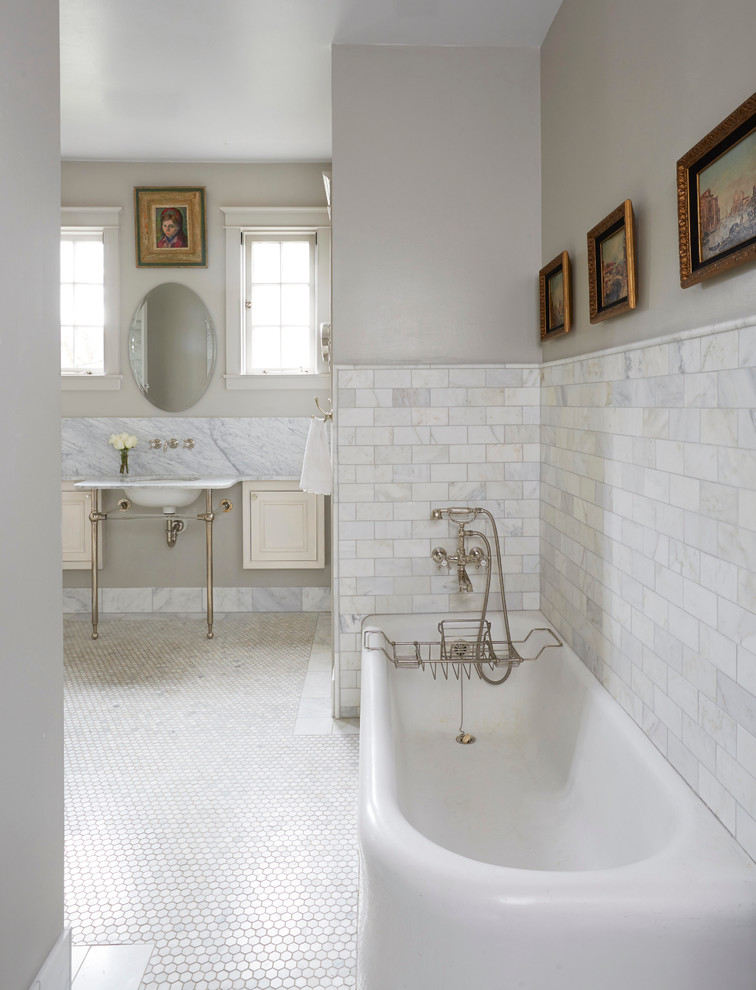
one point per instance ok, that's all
(261, 382)
(90, 383)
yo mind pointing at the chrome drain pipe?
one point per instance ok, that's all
(172, 529)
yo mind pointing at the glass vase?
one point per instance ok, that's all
(124, 461)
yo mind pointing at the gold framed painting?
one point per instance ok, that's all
(716, 198)
(612, 271)
(555, 289)
(170, 227)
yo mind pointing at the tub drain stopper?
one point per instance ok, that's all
(465, 738)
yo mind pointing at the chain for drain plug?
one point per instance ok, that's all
(464, 737)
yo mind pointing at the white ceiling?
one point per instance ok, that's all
(241, 80)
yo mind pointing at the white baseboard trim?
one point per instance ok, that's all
(56, 970)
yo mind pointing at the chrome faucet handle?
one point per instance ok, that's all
(188, 443)
(156, 444)
(476, 555)
(441, 557)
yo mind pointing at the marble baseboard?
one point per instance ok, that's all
(135, 600)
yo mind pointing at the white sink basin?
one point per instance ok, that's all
(163, 493)
(162, 496)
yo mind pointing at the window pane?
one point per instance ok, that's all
(66, 304)
(265, 349)
(266, 305)
(82, 301)
(66, 348)
(280, 298)
(295, 305)
(266, 261)
(88, 261)
(66, 261)
(295, 261)
(295, 347)
(89, 355)
(88, 305)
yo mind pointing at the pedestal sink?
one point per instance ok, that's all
(168, 494)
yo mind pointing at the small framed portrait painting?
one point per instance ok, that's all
(170, 227)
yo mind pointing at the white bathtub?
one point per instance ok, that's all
(560, 851)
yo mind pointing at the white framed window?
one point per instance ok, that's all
(279, 303)
(278, 283)
(82, 302)
(89, 309)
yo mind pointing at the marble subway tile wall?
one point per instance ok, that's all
(409, 439)
(648, 545)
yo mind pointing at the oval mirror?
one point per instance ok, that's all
(172, 347)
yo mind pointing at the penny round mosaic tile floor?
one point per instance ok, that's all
(196, 819)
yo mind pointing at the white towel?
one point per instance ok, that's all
(317, 473)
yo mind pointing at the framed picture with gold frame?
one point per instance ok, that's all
(170, 227)
(612, 272)
(555, 289)
(716, 198)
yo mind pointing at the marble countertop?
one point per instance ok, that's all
(155, 482)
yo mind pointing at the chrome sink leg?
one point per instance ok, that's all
(209, 516)
(95, 518)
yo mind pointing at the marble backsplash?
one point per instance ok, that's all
(263, 448)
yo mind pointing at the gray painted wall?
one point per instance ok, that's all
(436, 187)
(112, 184)
(627, 89)
(136, 554)
(31, 688)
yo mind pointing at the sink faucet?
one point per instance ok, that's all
(172, 443)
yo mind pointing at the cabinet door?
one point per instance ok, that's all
(282, 528)
(76, 529)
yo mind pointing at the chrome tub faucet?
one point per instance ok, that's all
(462, 557)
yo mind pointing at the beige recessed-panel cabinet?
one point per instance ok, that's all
(282, 526)
(76, 529)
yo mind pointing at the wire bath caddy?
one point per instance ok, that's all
(464, 645)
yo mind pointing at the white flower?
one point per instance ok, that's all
(123, 441)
